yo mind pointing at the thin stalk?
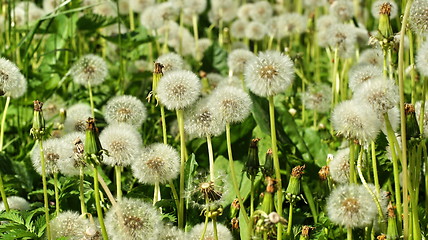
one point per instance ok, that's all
(352, 174)
(3, 120)
(156, 193)
(349, 233)
(98, 205)
(174, 194)
(45, 189)
(374, 165)
(252, 195)
(182, 165)
(422, 109)
(106, 190)
(164, 135)
(290, 220)
(310, 199)
(276, 162)
(205, 227)
(214, 220)
(91, 99)
(403, 117)
(57, 207)
(211, 158)
(334, 78)
(232, 173)
(196, 35)
(412, 64)
(131, 20)
(118, 174)
(81, 190)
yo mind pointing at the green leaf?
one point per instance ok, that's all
(92, 22)
(6, 164)
(243, 227)
(215, 59)
(12, 216)
(189, 172)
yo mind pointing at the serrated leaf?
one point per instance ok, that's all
(91, 22)
(12, 216)
(129, 39)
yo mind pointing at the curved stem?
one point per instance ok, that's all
(45, 189)
(182, 165)
(118, 173)
(211, 158)
(98, 204)
(232, 173)
(276, 162)
(3, 120)
(57, 207)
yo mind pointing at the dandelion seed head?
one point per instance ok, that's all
(422, 59)
(237, 59)
(351, 206)
(171, 233)
(217, 191)
(89, 69)
(317, 98)
(17, 203)
(238, 27)
(194, 6)
(134, 219)
(244, 11)
(371, 56)
(107, 8)
(125, 109)
(204, 120)
(376, 7)
(73, 144)
(222, 9)
(149, 18)
(68, 224)
(53, 152)
(233, 104)
(158, 163)
(9, 76)
(292, 23)
(171, 62)
(139, 5)
(362, 73)
(418, 17)
(269, 74)
(380, 93)
(222, 232)
(255, 30)
(339, 166)
(356, 121)
(123, 144)
(76, 118)
(178, 89)
(261, 11)
(343, 37)
(342, 10)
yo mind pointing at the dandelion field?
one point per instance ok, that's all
(219, 119)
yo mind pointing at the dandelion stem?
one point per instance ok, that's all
(174, 193)
(233, 174)
(182, 165)
(131, 19)
(211, 158)
(156, 193)
(335, 96)
(374, 165)
(290, 220)
(118, 172)
(276, 162)
(164, 135)
(214, 220)
(91, 99)
(57, 207)
(3, 120)
(98, 204)
(81, 190)
(45, 189)
(252, 195)
(349, 233)
(205, 227)
(352, 175)
(196, 35)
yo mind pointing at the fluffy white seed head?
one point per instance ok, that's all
(317, 98)
(171, 233)
(255, 30)
(197, 7)
(342, 10)
(9, 76)
(123, 144)
(269, 74)
(232, 103)
(222, 9)
(261, 11)
(376, 6)
(362, 73)
(125, 109)
(422, 59)
(244, 11)
(20, 89)
(178, 89)
(380, 93)
(204, 120)
(17, 203)
(237, 60)
(356, 121)
(140, 5)
(222, 232)
(53, 152)
(418, 111)
(171, 62)
(343, 37)
(339, 166)
(371, 56)
(70, 225)
(351, 206)
(418, 17)
(292, 23)
(73, 144)
(134, 219)
(158, 163)
(237, 29)
(106, 8)
(76, 118)
(89, 68)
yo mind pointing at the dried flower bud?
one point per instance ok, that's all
(324, 172)
(268, 169)
(38, 129)
(252, 165)
(412, 127)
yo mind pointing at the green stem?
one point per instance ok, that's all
(335, 95)
(91, 99)
(214, 220)
(131, 19)
(196, 35)
(310, 199)
(233, 174)
(205, 228)
(57, 206)
(180, 120)
(374, 165)
(156, 193)
(3, 120)
(164, 135)
(290, 220)
(349, 233)
(81, 190)
(211, 158)
(352, 174)
(276, 162)
(45, 189)
(252, 196)
(118, 173)
(174, 194)
(98, 204)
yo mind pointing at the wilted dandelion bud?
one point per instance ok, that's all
(232, 103)
(418, 17)
(89, 69)
(134, 219)
(125, 109)
(355, 121)
(158, 163)
(267, 204)
(362, 73)
(252, 165)
(317, 98)
(204, 120)
(342, 10)
(76, 118)
(305, 232)
(17, 203)
(351, 206)
(378, 8)
(380, 93)
(178, 89)
(293, 189)
(170, 62)
(269, 74)
(385, 29)
(222, 232)
(38, 129)
(267, 169)
(255, 30)
(412, 127)
(122, 143)
(392, 231)
(422, 58)
(339, 166)
(68, 225)
(92, 146)
(237, 59)
(74, 148)
(324, 172)
(53, 152)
